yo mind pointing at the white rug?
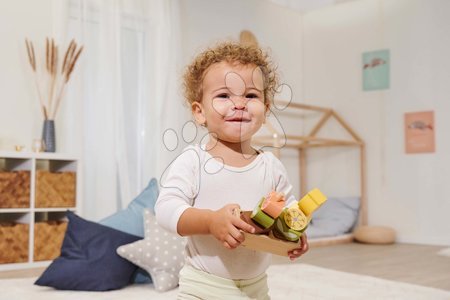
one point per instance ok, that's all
(444, 252)
(294, 281)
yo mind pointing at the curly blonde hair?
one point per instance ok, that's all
(230, 52)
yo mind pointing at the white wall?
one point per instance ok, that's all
(20, 114)
(406, 191)
(20, 118)
(319, 55)
(417, 184)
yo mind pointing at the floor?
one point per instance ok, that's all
(417, 264)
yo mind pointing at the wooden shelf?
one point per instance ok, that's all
(33, 162)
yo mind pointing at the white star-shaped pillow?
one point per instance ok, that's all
(160, 253)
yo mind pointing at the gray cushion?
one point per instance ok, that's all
(160, 253)
(335, 217)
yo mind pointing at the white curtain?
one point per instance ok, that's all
(130, 94)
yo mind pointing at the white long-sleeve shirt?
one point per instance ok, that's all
(196, 179)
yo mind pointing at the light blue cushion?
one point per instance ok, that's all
(335, 217)
(131, 220)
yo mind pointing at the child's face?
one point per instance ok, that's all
(232, 105)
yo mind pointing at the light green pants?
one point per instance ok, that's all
(196, 284)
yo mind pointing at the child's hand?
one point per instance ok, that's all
(225, 226)
(296, 253)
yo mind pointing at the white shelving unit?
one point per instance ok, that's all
(32, 162)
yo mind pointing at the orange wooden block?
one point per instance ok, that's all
(274, 204)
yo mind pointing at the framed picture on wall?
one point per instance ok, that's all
(375, 69)
(419, 132)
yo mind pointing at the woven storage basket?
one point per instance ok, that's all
(55, 189)
(13, 242)
(48, 238)
(15, 189)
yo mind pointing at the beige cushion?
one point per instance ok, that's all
(374, 235)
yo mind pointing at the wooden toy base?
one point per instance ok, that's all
(271, 244)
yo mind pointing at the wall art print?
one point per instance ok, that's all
(375, 68)
(419, 132)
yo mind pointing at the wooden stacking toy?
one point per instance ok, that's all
(279, 228)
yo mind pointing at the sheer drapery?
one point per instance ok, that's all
(130, 94)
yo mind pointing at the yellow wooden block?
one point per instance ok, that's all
(312, 201)
(295, 218)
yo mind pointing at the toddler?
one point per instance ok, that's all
(229, 89)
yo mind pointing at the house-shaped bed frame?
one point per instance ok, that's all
(306, 143)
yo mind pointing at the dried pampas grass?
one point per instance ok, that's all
(55, 79)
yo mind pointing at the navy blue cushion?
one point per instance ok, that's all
(88, 260)
(131, 220)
